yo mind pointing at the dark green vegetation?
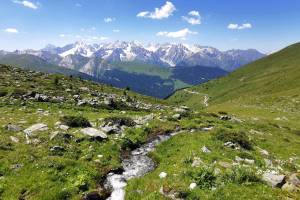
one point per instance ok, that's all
(226, 147)
(151, 80)
(75, 121)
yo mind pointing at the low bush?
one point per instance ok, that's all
(121, 121)
(236, 137)
(75, 121)
(133, 139)
(3, 92)
(204, 177)
(18, 93)
(241, 175)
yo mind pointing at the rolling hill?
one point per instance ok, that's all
(269, 85)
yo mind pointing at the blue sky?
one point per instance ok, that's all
(266, 25)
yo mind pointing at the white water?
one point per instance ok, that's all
(137, 165)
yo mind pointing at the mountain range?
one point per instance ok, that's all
(153, 69)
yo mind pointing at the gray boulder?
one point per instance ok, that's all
(13, 128)
(92, 132)
(35, 128)
(273, 180)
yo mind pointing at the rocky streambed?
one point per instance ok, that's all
(136, 165)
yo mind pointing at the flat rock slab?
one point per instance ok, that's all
(274, 180)
(94, 132)
(35, 128)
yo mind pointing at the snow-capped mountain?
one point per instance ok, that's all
(78, 55)
(169, 55)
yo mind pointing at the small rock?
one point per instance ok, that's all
(225, 117)
(64, 127)
(205, 149)
(264, 152)
(57, 123)
(14, 139)
(192, 186)
(57, 148)
(197, 162)
(163, 175)
(231, 145)
(53, 135)
(249, 161)
(273, 180)
(294, 179)
(209, 128)
(289, 187)
(35, 128)
(225, 164)
(238, 159)
(94, 132)
(176, 116)
(13, 128)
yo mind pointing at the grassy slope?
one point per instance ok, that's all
(41, 174)
(265, 95)
(142, 68)
(269, 88)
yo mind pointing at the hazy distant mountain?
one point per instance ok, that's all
(168, 55)
(153, 69)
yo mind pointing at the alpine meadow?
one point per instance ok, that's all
(149, 100)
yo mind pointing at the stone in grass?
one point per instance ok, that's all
(36, 128)
(13, 128)
(176, 116)
(163, 175)
(93, 132)
(197, 162)
(273, 180)
(205, 149)
(192, 186)
(289, 187)
(225, 164)
(63, 127)
(14, 139)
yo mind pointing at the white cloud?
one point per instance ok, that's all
(28, 4)
(78, 5)
(194, 13)
(116, 30)
(11, 30)
(193, 18)
(109, 19)
(62, 35)
(181, 34)
(239, 27)
(159, 13)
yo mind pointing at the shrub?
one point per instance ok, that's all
(18, 93)
(56, 80)
(75, 121)
(241, 175)
(205, 178)
(236, 137)
(121, 121)
(3, 92)
(134, 138)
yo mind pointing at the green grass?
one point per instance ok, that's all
(270, 122)
(142, 68)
